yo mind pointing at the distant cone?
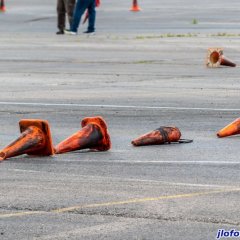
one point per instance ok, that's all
(93, 135)
(34, 140)
(159, 136)
(215, 58)
(85, 17)
(2, 6)
(135, 7)
(97, 4)
(231, 129)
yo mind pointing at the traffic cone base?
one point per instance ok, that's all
(35, 139)
(159, 136)
(93, 135)
(215, 58)
(135, 9)
(231, 129)
(43, 125)
(105, 143)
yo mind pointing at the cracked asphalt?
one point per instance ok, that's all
(140, 71)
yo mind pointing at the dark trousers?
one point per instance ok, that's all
(80, 8)
(64, 7)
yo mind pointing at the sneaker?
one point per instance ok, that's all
(89, 32)
(69, 32)
(60, 32)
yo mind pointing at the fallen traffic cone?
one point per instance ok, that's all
(231, 129)
(215, 58)
(93, 135)
(34, 140)
(2, 6)
(135, 7)
(159, 136)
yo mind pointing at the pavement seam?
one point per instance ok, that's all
(159, 218)
(117, 203)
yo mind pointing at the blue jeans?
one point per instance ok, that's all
(80, 8)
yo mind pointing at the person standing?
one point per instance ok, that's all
(64, 7)
(80, 8)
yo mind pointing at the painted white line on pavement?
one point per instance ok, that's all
(158, 162)
(119, 106)
(22, 170)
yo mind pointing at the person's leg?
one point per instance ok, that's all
(80, 8)
(61, 12)
(92, 16)
(70, 9)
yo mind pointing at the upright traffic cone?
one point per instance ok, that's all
(231, 129)
(215, 58)
(93, 135)
(2, 6)
(135, 7)
(158, 136)
(34, 140)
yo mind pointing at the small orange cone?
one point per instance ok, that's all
(34, 140)
(93, 135)
(2, 6)
(231, 129)
(215, 58)
(85, 17)
(158, 136)
(135, 7)
(97, 4)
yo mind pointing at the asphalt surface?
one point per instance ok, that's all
(140, 71)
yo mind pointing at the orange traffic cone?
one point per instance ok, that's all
(2, 6)
(85, 17)
(93, 135)
(34, 140)
(97, 4)
(135, 7)
(215, 58)
(231, 129)
(158, 136)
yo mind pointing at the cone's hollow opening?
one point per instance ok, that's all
(105, 143)
(214, 57)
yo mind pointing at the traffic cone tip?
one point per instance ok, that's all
(231, 129)
(2, 156)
